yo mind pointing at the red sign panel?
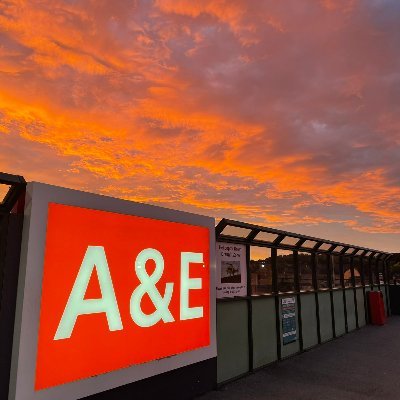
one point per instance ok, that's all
(119, 290)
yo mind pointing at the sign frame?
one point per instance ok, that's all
(25, 343)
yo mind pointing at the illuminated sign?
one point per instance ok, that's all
(121, 296)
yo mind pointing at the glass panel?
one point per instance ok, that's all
(266, 236)
(305, 271)
(290, 240)
(380, 269)
(285, 270)
(349, 250)
(309, 244)
(366, 270)
(325, 246)
(322, 271)
(373, 271)
(236, 231)
(3, 191)
(338, 249)
(394, 273)
(368, 253)
(347, 272)
(335, 260)
(357, 270)
(260, 270)
(360, 252)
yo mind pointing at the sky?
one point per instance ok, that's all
(280, 113)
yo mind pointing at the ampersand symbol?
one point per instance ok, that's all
(148, 285)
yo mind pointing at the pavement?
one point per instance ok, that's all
(364, 364)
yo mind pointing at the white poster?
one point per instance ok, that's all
(231, 270)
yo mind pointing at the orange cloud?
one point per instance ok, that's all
(342, 5)
(279, 115)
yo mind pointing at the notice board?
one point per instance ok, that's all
(288, 315)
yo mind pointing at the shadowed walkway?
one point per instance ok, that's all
(364, 364)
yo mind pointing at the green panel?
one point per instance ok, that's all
(264, 331)
(325, 316)
(388, 299)
(367, 289)
(340, 326)
(309, 320)
(294, 347)
(360, 307)
(232, 340)
(383, 289)
(351, 314)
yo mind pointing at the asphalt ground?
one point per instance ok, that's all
(364, 364)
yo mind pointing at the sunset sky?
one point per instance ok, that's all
(280, 113)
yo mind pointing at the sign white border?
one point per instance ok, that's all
(23, 366)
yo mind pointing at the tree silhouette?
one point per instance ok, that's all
(231, 270)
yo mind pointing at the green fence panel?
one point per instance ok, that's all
(232, 340)
(351, 313)
(388, 299)
(325, 316)
(383, 289)
(340, 325)
(360, 307)
(264, 331)
(367, 289)
(294, 347)
(309, 320)
(232, 328)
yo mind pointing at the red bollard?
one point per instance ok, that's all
(376, 308)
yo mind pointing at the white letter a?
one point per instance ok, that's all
(95, 257)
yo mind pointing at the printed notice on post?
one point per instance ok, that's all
(231, 270)
(288, 313)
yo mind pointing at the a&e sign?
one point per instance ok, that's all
(119, 290)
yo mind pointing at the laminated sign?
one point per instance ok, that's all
(231, 270)
(288, 313)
